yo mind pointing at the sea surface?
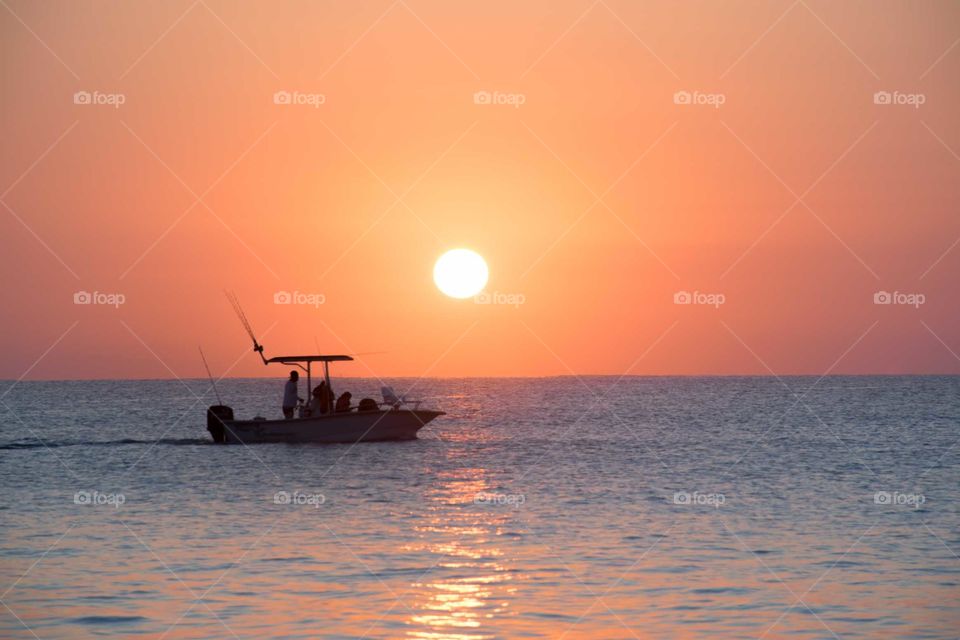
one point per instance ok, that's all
(569, 507)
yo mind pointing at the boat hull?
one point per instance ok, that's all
(367, 426)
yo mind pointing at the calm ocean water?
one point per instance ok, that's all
(638, 508)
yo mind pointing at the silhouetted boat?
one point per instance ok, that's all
(369, 422)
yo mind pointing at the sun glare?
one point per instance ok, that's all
(460, 273)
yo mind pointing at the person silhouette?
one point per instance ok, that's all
(343, 402)
(290, 397)
(321, 400)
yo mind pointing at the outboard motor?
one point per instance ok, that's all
(216, 414)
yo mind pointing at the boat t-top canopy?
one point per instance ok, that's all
(298, 359)
(304, 362)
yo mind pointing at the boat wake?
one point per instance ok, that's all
(37, 444)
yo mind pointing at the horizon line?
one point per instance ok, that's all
(514, 377)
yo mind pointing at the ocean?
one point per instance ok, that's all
(594, 507)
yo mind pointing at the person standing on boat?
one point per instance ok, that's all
(290, 397)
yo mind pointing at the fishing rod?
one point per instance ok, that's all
(235, 303)
(212, 381)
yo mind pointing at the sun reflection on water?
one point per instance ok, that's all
(468, 590)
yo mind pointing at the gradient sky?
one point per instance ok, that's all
(596, 200)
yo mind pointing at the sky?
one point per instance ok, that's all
(658, 188)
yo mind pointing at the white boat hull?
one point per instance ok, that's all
(366, 426)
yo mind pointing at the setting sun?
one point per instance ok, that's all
(460, 273)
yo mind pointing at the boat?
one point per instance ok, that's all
(396, 418)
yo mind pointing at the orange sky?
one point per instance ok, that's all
(597, 199)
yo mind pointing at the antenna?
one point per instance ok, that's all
(212, 382)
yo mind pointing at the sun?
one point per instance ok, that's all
(460, 273)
